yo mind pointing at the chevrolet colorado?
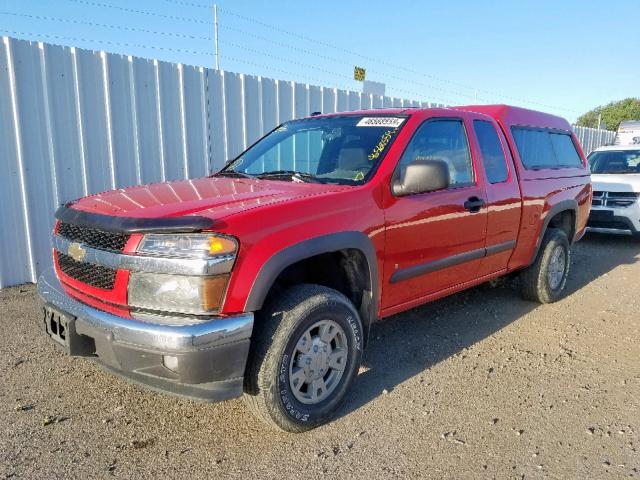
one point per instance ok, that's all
(263, 280)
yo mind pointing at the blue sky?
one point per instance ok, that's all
(564, 57)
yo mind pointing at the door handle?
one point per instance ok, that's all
(474, 204)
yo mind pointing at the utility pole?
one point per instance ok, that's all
(599, 120)
(215, 36)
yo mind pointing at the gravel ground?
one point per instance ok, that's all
(479, 385)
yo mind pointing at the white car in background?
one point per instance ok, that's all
(615, 175)
(628, 133)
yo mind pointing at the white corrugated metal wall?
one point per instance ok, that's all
(592, 138)
(75, 122)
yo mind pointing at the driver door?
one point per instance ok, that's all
(435, 240)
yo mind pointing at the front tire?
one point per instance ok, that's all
(545, 280)
(306, 351)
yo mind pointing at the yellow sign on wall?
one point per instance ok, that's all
(359, 73)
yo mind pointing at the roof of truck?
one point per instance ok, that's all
(506, 114)
(381, 111)
(509, 115)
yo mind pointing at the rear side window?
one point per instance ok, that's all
(442, 140)
(535, 148)
(495, 164)
(541, 149)
(565, 150)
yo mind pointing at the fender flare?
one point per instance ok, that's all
(563, 206)
(333, 242)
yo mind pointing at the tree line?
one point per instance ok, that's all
(611, 114)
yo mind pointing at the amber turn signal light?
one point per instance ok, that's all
(213, 290)
(221, 245)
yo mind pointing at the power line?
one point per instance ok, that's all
(276, 69)
(196, 52)
(333, 73)
(331, 59)
(335, 47)
(388, 64)
(282, 59)
(141, 12)
(281, 44)
(102, 25)
(274, 28)
(340, 87)
(190, 4)
(107, 42)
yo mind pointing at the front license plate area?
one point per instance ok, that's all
(58, 325)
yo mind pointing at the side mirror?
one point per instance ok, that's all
(422, 176)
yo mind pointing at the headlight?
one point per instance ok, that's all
(198, 245)
(177, 293)
(188, 294)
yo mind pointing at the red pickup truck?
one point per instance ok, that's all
(263, 280)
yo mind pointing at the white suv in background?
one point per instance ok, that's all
(615, 174)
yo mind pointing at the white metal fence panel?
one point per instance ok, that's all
(75, 122)
(592, 138)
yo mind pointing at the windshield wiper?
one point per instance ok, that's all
(292, 174)
(303, 177)
(232, 173)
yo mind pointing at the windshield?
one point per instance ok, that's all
(615, 161)
(343, 150)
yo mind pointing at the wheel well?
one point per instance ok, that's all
(346, 271)
(565, 221)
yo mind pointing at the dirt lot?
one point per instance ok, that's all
(479, 385)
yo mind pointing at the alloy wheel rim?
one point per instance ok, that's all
(318, 362)
(557, 267)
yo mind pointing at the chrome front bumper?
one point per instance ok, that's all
(612, 231)
(207, 358)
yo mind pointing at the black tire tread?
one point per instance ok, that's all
(533, 278)
(270, 333)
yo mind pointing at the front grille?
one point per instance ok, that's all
(93, 237)
(614, 199)
(94, 275)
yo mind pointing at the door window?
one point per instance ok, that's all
(444, 140)
(495, 164)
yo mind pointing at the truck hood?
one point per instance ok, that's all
(609, 182)
(213, 197)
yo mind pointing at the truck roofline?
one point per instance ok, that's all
(508, 114)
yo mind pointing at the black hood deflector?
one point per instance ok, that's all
(110, 223)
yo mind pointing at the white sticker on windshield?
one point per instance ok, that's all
(391, 122)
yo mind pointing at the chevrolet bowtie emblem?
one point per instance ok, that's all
(76, 251)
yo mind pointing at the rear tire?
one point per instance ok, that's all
(545, 280)
(306, 351)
